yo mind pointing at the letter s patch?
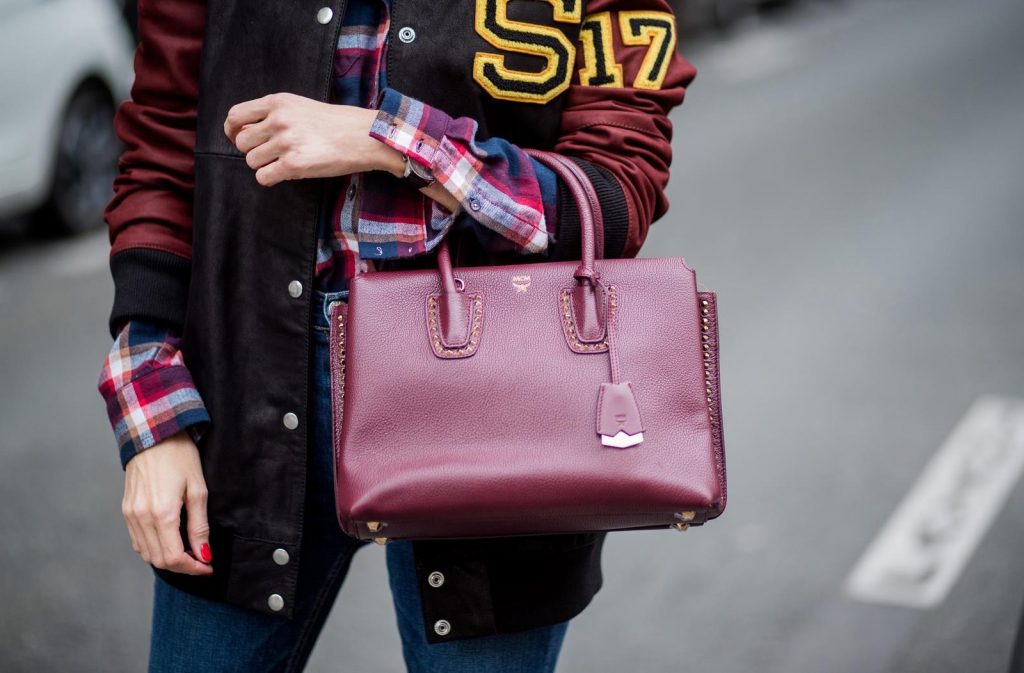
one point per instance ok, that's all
(549, 43)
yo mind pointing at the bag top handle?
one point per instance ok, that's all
(587, 203)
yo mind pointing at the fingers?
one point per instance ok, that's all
(152, 549)
(270, 175)
(253, 136)
(198, 526)
(263, 154)
(156, 485)
(172, 554)
(250, 112)
(133, 508)
(129, 521)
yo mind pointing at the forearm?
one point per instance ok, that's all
(150, 214)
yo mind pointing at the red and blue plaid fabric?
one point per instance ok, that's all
(377, 216)
(495, 182)
(148, 390)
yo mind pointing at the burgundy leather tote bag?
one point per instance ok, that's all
(537, 398)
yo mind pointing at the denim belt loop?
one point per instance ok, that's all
(327, 300)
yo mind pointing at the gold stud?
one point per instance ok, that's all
(373, 526)
(380, 540)
(687, 516)
(681, 526)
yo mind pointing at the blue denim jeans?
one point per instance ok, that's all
(192, 634)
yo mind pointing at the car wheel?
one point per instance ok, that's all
(87, 151)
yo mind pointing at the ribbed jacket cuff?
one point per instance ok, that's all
(149, 284)
(614, 212)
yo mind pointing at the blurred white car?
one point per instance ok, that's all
(64, 67)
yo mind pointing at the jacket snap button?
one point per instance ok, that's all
(435, 579)
(291, 421)
(281, 557)
(325, 15)
(406, 34)
(275, 602)
(474, 203)
(441, 627)
(295, 288)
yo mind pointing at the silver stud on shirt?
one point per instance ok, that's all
(474, 203)
(281, 557)
(406, 34)
(291, 421)
(325, 15)
(441, 627)
(275, 602)
(295, 288)
(435, 579)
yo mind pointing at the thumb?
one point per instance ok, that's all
(198, 524)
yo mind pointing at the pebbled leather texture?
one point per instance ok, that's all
(617, 410)
(503, 443)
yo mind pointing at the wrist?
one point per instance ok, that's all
(383, 156)
(389, 159)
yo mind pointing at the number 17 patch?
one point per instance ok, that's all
(654, 30)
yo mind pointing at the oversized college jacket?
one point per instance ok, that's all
(197, 244)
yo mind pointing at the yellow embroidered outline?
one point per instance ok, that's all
(567, 11)
(600, 23)
(653, 35)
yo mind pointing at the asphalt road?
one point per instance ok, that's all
(848, 177)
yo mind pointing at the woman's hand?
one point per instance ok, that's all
(158, 482)
(285, 136)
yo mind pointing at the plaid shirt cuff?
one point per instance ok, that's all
(148, 391)
(495, 182)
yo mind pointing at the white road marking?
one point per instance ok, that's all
(920, 552)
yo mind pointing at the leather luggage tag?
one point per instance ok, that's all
(618, 416)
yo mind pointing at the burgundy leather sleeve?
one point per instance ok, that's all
(150, 215)
(625, 130)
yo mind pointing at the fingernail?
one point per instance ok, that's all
(204, 553)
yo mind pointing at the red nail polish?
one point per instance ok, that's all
(204, 553)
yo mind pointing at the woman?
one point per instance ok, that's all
(275, 150)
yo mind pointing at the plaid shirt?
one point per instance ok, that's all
(510, 197)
